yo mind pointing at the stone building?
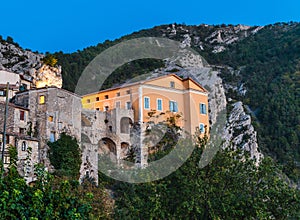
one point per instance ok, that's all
(17, 135)
(52, 111)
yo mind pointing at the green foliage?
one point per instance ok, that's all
(65, 156)
(228, 188)
(50, 60)
(269, 66)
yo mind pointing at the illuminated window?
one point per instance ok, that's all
(50, 118)
(42, 99)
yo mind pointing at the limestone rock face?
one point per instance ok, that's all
(240, 133)
(48, 76)
(24, 62)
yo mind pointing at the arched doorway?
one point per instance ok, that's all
(107, 146)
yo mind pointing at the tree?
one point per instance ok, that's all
(65, 156)
(50, 60)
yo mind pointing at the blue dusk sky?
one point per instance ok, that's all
(71, 25)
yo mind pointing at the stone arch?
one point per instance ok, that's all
(107, 146)
(125, 123)
(124, 149)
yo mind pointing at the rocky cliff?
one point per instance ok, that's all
(24, 62)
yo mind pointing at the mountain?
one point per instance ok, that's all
(258, 68)
(258, 65)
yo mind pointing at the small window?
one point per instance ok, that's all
(118, 104)
(201, 128)
(172, 84)
(146, 103)
(106, 108)
(106, 96)
(42, 99)
(50, 118)
(117, 94)
(60, 125)
(22, 115)
(202, 108)
(22, 130)
(128, 105)
(6, 159)
(128, 92)
(52, 136)
(98, 109)
(2, 93)
(97, 99)
(24, 146)
(88, 101)
(159, 104)
(7, 139)
(173, 106)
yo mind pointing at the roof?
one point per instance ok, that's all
(50, 87)
(147, 80)
(14, 106)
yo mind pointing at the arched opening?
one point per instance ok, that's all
(125, 125)
(107, 145)
(124, 149)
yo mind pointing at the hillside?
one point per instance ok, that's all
(259, 65)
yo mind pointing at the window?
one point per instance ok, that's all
(6, 159)
(128, 105)
(97, 99)
(24, 146)
(106, 108)
(22, 130)
(88, 101)
(59, 125)
(2, 93)
(173, 106)
(201, 128)
(128, 92)
(106, 96)
(159, 104)
(117, 94)
(7, 139)
(118, 104)
(22, 115)
(172, 84)
(42, 99)
(52, 136)
(146, 103)
(202, 108)
(98, 109)
(50, 118)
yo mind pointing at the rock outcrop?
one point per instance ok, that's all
(29, 64)
(240, 133)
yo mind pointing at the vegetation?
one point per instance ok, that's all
(65, 156)
(50, 60)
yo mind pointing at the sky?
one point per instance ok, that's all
(68, 26)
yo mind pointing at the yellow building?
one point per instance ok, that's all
(168, 93)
